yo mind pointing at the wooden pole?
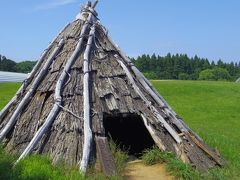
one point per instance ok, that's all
(155, 112)
(57, 96)
(29, 78)
(95, 4)
(153, 92)
(86, 104)
(30, 92)
(152, 132)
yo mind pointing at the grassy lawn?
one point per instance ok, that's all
(7, 91)
(212, 110)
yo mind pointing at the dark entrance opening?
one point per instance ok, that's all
(129, 132)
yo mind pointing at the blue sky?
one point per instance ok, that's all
(208, 28)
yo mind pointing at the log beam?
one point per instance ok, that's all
(31, 91)
(29, 78)
(157, 115)
(105, 156)
(153, 92)
(86, 104)
(57, 96)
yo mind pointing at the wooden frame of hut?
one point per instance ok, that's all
(81, 87)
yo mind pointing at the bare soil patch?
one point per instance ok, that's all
(136, 170)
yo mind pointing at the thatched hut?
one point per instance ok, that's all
(84, 88)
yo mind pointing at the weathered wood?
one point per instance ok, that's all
(160, 101)
(152, 91)
(165, 108)
(151, 130)
(111, 102)
(87, 146)
(158, 98)
(148, 103)
(97, 116)
(55, 113)
(95, 4)
(206, 150)
(34, 71)
(57, 96)
(63, 141)
(40, 132)
(26, 126)
(29, 94)
(105, 156)
(103, 87)
(40, 61)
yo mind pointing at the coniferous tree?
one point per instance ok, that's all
(180, 66)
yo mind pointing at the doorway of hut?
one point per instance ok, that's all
(129, 133)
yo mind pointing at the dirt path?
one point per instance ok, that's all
(136, 170)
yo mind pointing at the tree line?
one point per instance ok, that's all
(182, 67)
(11, 66)
(178, 66)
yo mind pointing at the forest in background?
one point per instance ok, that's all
(178, 67)
(11, 66)
(182, 67)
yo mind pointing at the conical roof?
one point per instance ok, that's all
(81, 80)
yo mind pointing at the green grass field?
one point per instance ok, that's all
(7, 91)
(211, 109)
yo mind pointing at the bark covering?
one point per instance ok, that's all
(112, 93)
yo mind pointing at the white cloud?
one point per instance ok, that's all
(54, 4)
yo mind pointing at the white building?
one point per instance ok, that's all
(12, 77)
